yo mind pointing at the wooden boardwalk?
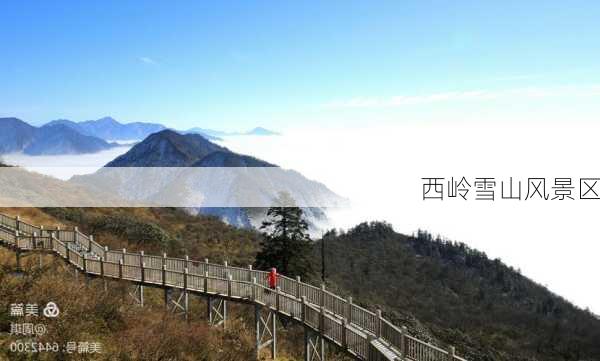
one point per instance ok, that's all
(326, 317)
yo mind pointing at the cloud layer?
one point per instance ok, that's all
(461, 96)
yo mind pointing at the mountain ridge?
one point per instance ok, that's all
(167, 148)
(109, 129)
(227, 194)
(218, 133)
(55, 139)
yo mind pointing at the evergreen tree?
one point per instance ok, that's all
(286, 244)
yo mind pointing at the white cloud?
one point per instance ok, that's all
(472, 95)
(147, 60)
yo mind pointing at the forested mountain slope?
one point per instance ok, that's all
(459, 295)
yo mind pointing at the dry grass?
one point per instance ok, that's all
(127, 331)
(33, 216)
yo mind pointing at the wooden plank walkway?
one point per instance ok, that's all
(361, 333)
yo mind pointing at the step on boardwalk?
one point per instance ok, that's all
(326, 317)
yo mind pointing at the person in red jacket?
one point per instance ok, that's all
(272, 278)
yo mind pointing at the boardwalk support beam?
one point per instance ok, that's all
(266, 330)
(177, 301)
(314, 345)
(18, 257)
(138, 294)
(217, 311)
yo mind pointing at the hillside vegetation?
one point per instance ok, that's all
(125, 330)
(443, 291)
(449, 292)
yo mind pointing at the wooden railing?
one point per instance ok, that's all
(337, 319)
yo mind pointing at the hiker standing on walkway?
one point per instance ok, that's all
(272, 278)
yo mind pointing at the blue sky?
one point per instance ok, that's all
(238, 64)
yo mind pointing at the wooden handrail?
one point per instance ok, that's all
(302, 302)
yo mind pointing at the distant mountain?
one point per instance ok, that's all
(167, 148)
(18, 136)
(60, 139)
(169, 168)
(65, 122)
(261, 131)
(220, 134)
(109, 129)
(15, 135)
(206, 134)
(209, 132)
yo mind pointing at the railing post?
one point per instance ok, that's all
(298, 286)
(164, 260)
(187, 261)
(34, 240)
(67, 252)
(143, 272)
(205, 281)
(250, 273)
(75, 230)
(123, 254)
(254, 289)
(403, 331)
(85, 264)
(303, 308)
(277, 294)
(186, 294)
(321, 320)
(58, 233)
(349, 312)
(105, 251)
(164, 274)
(102, 267)
(166, 293)
(120, 269)
(229, 280)
(378, 324)
(142, 265)
(185, 279)
(52, 241)
(322, 294)
(451, 353)
(18, 223)
(344, 333)
(91, 241)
